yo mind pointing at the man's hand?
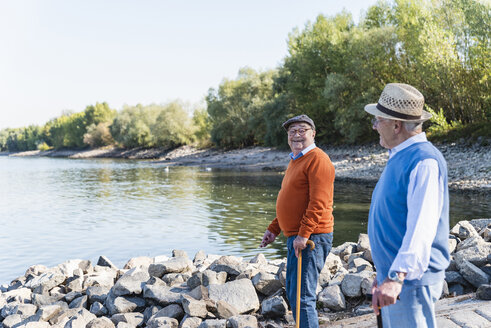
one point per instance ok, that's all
(268, 238)
(299, 244)
(385, 294)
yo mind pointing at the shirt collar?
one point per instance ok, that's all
(420, 137)
(303, 152)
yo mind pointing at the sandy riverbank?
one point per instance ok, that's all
(469, 167)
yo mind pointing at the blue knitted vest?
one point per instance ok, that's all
(388, 214)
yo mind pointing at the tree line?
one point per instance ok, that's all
(334, 67)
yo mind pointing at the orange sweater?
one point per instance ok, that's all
(304, 204)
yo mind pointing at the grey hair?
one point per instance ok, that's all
(413, 126)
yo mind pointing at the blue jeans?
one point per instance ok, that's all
(416, 307)
(312, 263)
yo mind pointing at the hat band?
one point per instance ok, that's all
(397, 114)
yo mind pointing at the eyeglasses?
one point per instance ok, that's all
(376, 121)
(301, 132)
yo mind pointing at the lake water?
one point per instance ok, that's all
(53, 210)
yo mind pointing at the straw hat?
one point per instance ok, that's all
(400, 102)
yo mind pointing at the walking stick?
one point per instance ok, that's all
(299, 278)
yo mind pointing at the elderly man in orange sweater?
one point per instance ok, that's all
(304, 211)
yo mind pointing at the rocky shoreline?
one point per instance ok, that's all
(469, 166)
(218, 291)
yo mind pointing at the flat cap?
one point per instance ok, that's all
(300, 118)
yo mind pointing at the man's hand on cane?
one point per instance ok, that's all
(385, 294)
(299, 244)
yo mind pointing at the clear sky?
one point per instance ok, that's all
(58, 55)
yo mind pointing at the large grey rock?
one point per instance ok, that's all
(332, 298)
(211, 277)
(351, 285)
(486, 234)
(79, 302)
(281, 273)
(161, 293)
(242, 321)
(195, 280)
(131, 282)
(266, 283)
(173, 279)
(74, 284)
(344, 249)
(456, 289)
(72, 295)
(194, 308)
(173, 265)
(48, 312)
(484, 292)
(139, 262)
(67, 268)
(259, 259)
(77, 321)
(162, 322)
(105, 262)
(102, 279)
(225, 310)
(360, 264)
(48, 280)
(12, 320)
(477, 255)
(473, 274)
(150, 311)
(191, 322)
(463, 230)
(22, 309)
(454, 277)
(363, 243)
(230, 264)
(333, 263)
(470, 242)
(274, 307)
(239, 293)
(452, 243)
(123, 304)
(367, 283)
(338, 278)
(213, 323)
(199, 293)
(36, 270)
(98, 309)
(199, 257)
(100, 323)
(170, 311)
(97, 294)
(135, 319)
(480, 224)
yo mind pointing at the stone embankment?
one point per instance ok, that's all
(221, 291)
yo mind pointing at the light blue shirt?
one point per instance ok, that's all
(303, 152)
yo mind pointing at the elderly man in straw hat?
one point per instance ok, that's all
(408, 221)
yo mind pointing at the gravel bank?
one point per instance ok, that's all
(469, 167)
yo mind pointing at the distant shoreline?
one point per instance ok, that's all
(469, 168)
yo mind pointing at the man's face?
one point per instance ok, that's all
(385, 129)
(297, 140)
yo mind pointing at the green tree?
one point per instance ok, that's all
(236, 108)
